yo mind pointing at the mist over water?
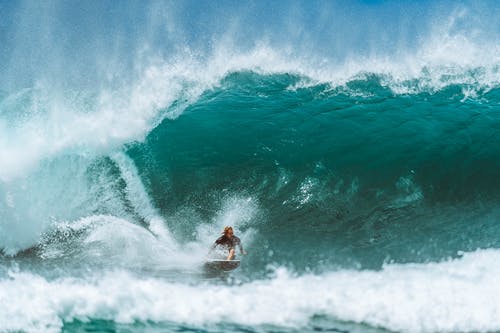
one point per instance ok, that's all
(353, 146)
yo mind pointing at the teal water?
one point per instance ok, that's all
(347, 174)
(319, 324)
(359, 163)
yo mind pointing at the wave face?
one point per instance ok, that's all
(358, 164)
(354, 171)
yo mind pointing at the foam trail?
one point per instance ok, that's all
(136, 194)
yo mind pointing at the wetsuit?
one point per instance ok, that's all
(228, 243)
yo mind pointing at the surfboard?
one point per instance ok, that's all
(221, 265)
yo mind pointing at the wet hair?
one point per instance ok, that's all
(227, 229)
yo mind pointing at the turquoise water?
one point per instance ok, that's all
(362, 180)
(352, 173)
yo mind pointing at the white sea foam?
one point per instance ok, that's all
(457, 295)
(109, 241)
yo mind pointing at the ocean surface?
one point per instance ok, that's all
(359, 166)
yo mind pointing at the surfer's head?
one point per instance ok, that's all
(228, 231)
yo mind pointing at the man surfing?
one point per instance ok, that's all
(228, 241)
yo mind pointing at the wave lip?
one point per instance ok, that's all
(45, 121)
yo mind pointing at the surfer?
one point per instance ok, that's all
(229, 241)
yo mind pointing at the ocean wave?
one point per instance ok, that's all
(355, 165)
(307, 147)
(253, 122)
